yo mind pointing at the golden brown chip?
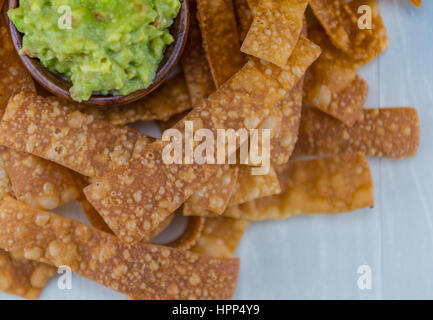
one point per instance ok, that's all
(135, 270)
(164, 225)
(215, 194)
(219, 32)
(21, 277)
(252, 4)
(138, 196)
(191, 234)
(194, 63)
(220, 237)
(275, 30)
(304, 54)
(38, 182)
(329, 185)
(390, 132)
(344, 104)
(5, 184)
(56, 132)
(244, 17)
(340, 21)
(92, 215)
(170, 123)
(143, 193)
(250, 187)
(284, 124)
(416, 2)
(14, 78)
(170, 98)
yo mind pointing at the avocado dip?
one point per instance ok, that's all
(102, 46)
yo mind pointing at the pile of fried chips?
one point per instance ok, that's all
(285, 65)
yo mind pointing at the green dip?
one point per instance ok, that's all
(112, 47)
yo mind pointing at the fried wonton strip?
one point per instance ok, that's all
(14, 78)
(340, 20)
(244, 17)
(194, 63)
(390, 132)
(38, 182)
(288, 76)
(284, 124)
(144, 271)
(92, 215)
(328, 185)
(191, 234)
(169, 99)
(220, 237)
(164, 225)
(21, 277)
(220, 36)
(164, 125)
(215, 194)
(343, 104)
(138, 196)
(55, 132)
(275, 30)
(250, 187)
(252, 4)
(416, 2)
(5, 184)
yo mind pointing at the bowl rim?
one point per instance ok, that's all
(165, 67)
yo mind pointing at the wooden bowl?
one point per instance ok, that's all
(59, 86)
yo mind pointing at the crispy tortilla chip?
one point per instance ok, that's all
(275, 30)
(416, 2)
(19, 276)
(38, 182)
(22, 277)
(143, 193)
(194, 63)
(304, 54)
(145, 271)
(164, 225)
(138, 196)
(250, 187)
(170, 123)
(92, 215)
(219, 32)
(391, 132)
(252, 4)
(284, 124)
(340, 21)
(329, 185)
(169, 99)
(215, 194)
(244, 17)
(70, 138)
(331, 83)
(5, 184)
(14, 78)
(191, 234)
(220, 237)
(345, 105)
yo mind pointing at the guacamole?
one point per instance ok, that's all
(102, 46)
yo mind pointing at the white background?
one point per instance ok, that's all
(317, 257)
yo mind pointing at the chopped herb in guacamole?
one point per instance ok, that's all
(110, 46)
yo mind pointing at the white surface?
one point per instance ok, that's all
(317, 257)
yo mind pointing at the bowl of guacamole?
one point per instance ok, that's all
(96, 51)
